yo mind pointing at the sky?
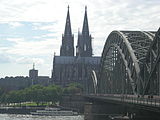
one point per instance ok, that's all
(31, 30)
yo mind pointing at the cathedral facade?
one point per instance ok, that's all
(68, 68)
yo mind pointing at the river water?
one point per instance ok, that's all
(34, 117)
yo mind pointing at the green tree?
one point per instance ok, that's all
(35, 93)
(53, 93)
(1, 95)
(73, 88)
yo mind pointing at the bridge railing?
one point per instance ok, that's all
(142, 100)
(133, 99)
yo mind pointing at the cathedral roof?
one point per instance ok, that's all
(64, 59)
(76, 60)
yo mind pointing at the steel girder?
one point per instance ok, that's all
(152, 68)
(126, 51)
(93, 83)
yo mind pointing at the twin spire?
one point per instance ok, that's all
(84, 47)
(67, 47)
(68, 30)
(85, 29)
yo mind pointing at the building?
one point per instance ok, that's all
(68, 68)
(21, 82)
(35, 79)
(33, 75)
(14, 83)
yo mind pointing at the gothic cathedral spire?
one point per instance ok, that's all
(85, 29)
(67, 47)
(68, 30)
(84, 45)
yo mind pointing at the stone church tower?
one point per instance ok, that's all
(84, 44)
(67, 48)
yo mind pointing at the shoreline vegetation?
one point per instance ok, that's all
(35, 97)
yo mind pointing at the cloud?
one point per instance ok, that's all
(15, 24)
(49, 27)
(29, 60)
(53, 28)
(32, 47)
(5, 58)
(39, 24)
(17, 40)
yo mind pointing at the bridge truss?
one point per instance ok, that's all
(152, 67)
(130, 63)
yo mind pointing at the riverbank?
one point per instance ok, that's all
(19, 110)
(27, 110)
(33, 117)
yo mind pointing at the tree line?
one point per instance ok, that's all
(39, 94)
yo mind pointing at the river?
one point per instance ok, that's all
(34, 117)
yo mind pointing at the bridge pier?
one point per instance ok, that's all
(73, 102)
(137, 114)
(103, 108)
(99, 111)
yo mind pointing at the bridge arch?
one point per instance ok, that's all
(152, 68)
(94, 81)
(122, 61)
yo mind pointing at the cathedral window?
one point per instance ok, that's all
(85, 47)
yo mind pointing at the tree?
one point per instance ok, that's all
(53, 93)
(35, 93)
(1, 95)
(73, 88)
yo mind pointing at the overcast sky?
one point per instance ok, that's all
(31, 30)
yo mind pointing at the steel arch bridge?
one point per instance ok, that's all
(130, 63)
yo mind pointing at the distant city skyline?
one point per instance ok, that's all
(31, 31)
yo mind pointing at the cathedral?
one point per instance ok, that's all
(71, 67)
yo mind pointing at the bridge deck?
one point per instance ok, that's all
(152, 104)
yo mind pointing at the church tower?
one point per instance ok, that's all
(33, 75)
(67, 47)
(84, 44)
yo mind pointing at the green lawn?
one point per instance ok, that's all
(30, 104)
